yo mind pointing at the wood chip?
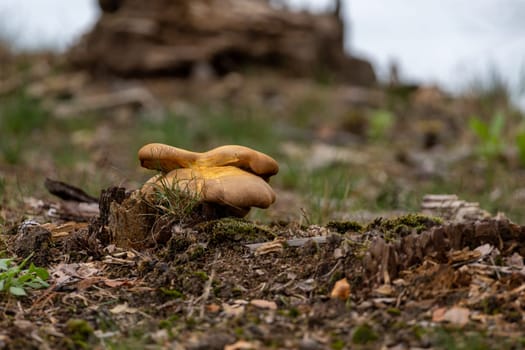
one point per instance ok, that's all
(123, 308)
(455, 315)
(341, 290)
(264, 304)
(241, 345)
(270, 247)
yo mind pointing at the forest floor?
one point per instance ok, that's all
(346, 257)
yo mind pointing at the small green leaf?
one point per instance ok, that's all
(25, 277)
(520, 143)
(36, 284)
(496, 125)
(480, 128)
(2, 285)
(23, 263)
(18, 291)
(39, 271)
(4, 263)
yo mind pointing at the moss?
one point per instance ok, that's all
(418, 331)
(79, 331)
(337, 344)
(449, 338)
(394, 311)
(364, 334)
(294, 312)
(201, 275)
(195, 252)
(178, 244)
(229, 230)
(237, 291)
(345, 226)
(403, 225)
(175, 294)
(239, 332)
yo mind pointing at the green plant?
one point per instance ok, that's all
(80, 331)
(2, 187)
(490, 135)
(209, 126)
(380, 123)
(329, 190)
(520, 145)
(15, 280)
(19, 117)
(174, 199)
(364, 334)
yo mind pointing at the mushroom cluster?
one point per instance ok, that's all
(234, 177)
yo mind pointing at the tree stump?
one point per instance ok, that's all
(163, 37)
(130, 223)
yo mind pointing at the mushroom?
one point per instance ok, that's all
(234, 177)
(158, 156)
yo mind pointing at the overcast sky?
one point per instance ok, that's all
(443, 41)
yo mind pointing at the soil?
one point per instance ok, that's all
(412, 279)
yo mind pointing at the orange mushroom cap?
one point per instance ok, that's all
(231, 176)
(165, 158)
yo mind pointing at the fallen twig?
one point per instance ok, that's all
(294, 242)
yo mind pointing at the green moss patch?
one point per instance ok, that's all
(403, 225)
(345, 226)
(229, 230)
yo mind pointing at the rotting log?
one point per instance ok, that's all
(180, 38)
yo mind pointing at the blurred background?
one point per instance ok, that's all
(445, 42)
(368, 105)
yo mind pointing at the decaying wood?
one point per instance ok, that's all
(295, 242)
(130, 223)
(68, 192)
(76, 205)
(134, 38)
(450, 207)
(385, 259)
(74, 211)
(99, 226)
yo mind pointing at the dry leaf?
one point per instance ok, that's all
(264, 304)
(485, 249)
(456, 315)
(213, 308)
(233, 310)
(438, 314)
(384, 289)
(116, 283)
(241, 345)
(341, 290)
(88, 282)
